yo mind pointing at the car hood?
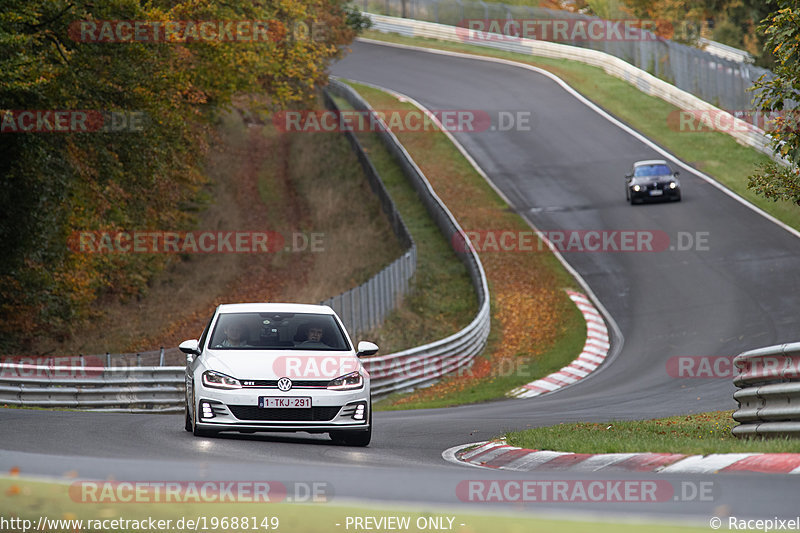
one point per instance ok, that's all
(642, 180)
(275, 364)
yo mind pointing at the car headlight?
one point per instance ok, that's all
(673, 185)
(637, 188)
(350, 381)
(215, 380)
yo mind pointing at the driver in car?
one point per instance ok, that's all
(313, 337)
(235, 336)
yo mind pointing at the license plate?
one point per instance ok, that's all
(656, 192)
(287, 402)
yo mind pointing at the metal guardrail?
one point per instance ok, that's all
(365, 307)
(116, 389)
(704, 74)
(741, 130)
(769, 391)
(725, 51)
(161, 389)
(426, 364)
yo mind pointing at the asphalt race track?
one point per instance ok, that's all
(565, 173)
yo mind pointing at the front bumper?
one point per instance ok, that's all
(238, 409)
(646, 196)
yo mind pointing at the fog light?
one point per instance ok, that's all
(359, 414)
(207, 411)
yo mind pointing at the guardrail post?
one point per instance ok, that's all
(161, 357)
(138, 359)
(371, 302)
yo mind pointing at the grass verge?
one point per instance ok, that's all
(697, 434)
(442, 300)
(714, 153)
(30, 500)
(536, 328)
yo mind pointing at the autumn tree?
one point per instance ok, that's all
(780, 94)
(55, 184)
(731, 22)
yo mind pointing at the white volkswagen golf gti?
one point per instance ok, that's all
(278, 367)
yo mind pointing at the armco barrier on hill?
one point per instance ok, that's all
(161, 389)
(742, 131)
(769, 395)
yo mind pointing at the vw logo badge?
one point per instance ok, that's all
(284, 384)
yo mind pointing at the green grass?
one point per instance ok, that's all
(701, 434)
(715, 153)
(524, 370)
(525, 367)
(30, 500)
(443, 299)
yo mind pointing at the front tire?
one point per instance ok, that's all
(187, 425)
(197, 432)
(354, 438)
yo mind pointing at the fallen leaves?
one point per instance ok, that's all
(526, 296)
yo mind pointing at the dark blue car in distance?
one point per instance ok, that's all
(652, 180)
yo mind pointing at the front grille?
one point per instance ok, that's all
(252, 412)
(273, 384)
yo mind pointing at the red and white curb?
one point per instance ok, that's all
(594, 353)
(499, 455)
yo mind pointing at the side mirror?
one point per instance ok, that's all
(366, 348)
(676, 173)
(190, 347)
(628, 176)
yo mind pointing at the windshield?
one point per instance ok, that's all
(652, 170)
(277, 331)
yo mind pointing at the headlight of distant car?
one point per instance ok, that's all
(673, 185)
(637, 188)
(350, 381)
(215, 380)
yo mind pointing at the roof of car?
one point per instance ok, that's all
(650, 162)
(275, 308)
